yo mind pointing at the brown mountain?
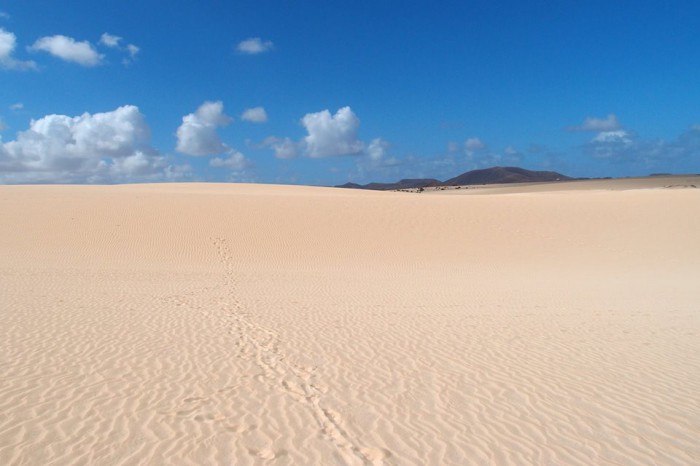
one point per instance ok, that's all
(403, 184)
(503, 175)
(492, 175)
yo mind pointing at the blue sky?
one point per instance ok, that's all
(324, 92)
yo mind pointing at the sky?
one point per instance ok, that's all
(326, 92)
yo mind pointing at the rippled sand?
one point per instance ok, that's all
(250, 324)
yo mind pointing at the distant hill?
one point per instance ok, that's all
(403, 184)
(494, 175)
(503, 175)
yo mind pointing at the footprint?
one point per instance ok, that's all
(185, 412)
(208, 417)
(226, 389)
(267, 453)
(295, 389)
(375, 455)
(240, 428)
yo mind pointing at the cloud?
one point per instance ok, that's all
(133, 50)
(377, 160)
(329, 136)
(284, 148)
(16, 106)
(377, 149)
(410, 166)
(197, 133)
(654, 154)
(508, 157)
(254, 46)
(68, 49)
(4, 15)
(110, 40)
(8, 43)
(510, 151)
(610, 145)
(197, 136)
(511, 156)
(480, 155)
(102, 147)
(114, 42)
(255, 115)
(236, 161)
(474, 145)
(613, 137)
(378, 156)
(598, 124)
(3, 126)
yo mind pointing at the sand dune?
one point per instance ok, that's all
(251, 324)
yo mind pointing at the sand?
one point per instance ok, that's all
(250, 324)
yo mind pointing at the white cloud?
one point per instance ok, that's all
(473, 145)
(254, 46)
(8, 43)
(4, 15)
(623, 147)
(114, 42)
(68, 49)
(511, 156)
(284, 148)
(598, 124)
(377, 149)
(134, 165)
(236, 161)
(110, 134)
(16, 106)
(376, 160)
(255, 115)
(133, 50)
(493, 159)
(480, 155)
(330, 136)
(102, 147)
(197, 136)
(614, 145)
(197, 133)
(510, 151)
(110, 40)
(618, 137)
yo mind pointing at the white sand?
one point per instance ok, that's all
(245, 324)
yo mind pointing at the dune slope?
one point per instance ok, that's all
(246, 324)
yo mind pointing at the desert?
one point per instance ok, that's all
(217, 323)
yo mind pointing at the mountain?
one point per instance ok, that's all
(492, 175)
(503, 175)
(403, 184)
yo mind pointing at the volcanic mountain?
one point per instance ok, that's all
(493, 175)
